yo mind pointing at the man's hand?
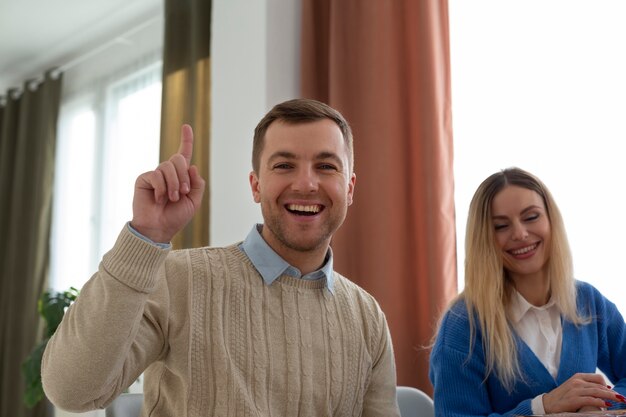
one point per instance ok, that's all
(580, 392)
(167, 198)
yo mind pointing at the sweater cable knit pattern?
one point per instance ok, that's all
(215, 340)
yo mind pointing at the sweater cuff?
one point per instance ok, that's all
(536, 405)
(134, 261)
(136, 233)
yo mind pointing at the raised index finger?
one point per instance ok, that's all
(186, 143)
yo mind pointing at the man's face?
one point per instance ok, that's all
(304, 185)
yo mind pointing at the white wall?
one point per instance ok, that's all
(255, 64)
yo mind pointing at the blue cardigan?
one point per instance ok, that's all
(460, 387)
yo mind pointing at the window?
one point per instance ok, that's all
(541, 85)
(108, 135)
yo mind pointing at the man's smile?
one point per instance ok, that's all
(304, 210)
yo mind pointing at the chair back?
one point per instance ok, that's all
(126, 405)
(414, 403)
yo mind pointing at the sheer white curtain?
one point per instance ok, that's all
(108, 135)
(541, 85)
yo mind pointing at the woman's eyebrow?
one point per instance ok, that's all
(531, 207)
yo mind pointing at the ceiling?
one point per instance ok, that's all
(36, 35)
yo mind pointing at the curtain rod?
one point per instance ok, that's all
(55, 72)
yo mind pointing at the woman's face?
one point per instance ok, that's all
(522, 231)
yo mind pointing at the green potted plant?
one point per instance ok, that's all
(51, 307)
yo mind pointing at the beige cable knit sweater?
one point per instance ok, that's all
(217, 341)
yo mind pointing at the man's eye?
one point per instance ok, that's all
(282, 166)
(327, 166)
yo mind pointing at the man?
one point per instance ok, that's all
(260, 328)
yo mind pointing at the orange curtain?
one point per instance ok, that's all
(385, 65)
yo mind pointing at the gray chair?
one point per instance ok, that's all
(126, 405)
(414, 403)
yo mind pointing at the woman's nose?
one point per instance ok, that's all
(519, 232)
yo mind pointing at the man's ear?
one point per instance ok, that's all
(351, 184)
(254, 186)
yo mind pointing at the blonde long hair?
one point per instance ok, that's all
(488, 290)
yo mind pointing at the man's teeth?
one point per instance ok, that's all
(309, 209)
(524, 250)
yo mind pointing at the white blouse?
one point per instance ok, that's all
(541, 329)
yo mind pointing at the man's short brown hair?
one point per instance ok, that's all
(300, 111)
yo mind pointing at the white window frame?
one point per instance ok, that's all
(101, 99)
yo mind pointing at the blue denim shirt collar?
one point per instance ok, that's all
(271, 266)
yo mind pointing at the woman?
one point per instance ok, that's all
(524, 337)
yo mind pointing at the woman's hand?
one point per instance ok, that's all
(582, 392)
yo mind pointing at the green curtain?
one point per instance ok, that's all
(27, 146)
(186, 97)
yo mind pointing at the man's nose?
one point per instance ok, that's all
(306, 180)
